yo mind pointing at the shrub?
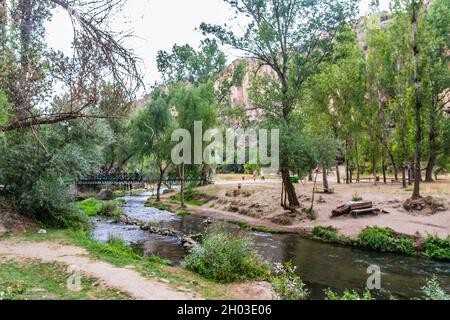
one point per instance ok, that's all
(433, 291)
(158, 260)
(110, 209)
(246, 193)
(437, 248)
(91, 207)
(225, 257)
(356, 197)
(384, 240)
(295, 179)
(327, 234)
(312, 214)
(287, 283)
(348, 295)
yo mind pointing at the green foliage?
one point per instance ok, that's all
(384, 240)
(437, 248)
(224, 258)
(287, 284)
(327, 234)
(356, 197)
(433, 291)
(348, 295)
(295, 179)
(111, 209)
(91, 207)
(186, 64)
(35, 280)
(251, 168)
(183, 213)
(48, 164)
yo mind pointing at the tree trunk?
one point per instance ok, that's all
(417, 100)
(325, 178)
(338, 173)
(3, 20)
(404, 176)
(383, 165)
(289, 189)
(358, 167)
(310, 176)
(432, 136)
(394, 165)
(181, 174)
(160, 180)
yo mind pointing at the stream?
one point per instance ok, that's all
(320, 265)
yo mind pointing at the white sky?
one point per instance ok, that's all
(158, 25)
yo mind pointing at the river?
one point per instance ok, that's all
(320, 265)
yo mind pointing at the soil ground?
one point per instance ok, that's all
(259, 205)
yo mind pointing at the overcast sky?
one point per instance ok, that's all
(158, 25)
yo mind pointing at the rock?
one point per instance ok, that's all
(105, 194)
(42, 231)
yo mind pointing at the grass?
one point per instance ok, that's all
(263, 229)
(160, 206)
(191, 202)
(385, 240)
(118, 254)
(93, 207)
(437, 248)
(32, 280)
(183, 213)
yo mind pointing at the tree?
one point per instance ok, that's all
(279, 33)
(152, 130)
(186, 64)
(29, 70)
(334, 100)
(437, 41)
(415, 8)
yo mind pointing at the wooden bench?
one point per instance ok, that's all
(360, 212)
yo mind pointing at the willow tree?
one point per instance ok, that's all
(279, 33)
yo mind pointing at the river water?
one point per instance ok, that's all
(320, 265)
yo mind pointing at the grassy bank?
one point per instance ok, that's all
(385, 240)
(34, 280)
(118, 254)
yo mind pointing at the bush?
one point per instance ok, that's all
(295, 179)
(327, 234)
(433, 291)
(356, 197)
(91, 207)
(110, 209)
(225, 257)
(287, 283)
(348, 295)
(384, 240)
(437, 248)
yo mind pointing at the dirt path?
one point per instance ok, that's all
(123, 279)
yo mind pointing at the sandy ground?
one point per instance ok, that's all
(123, 279)
(260, 205)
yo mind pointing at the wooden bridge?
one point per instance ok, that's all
(130, 179)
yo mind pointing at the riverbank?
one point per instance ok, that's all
(115, 272)
(257, 208)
